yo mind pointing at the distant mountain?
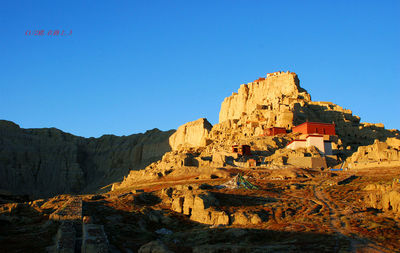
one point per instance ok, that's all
(48, 161)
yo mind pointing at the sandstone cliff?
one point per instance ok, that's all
(268, 99)
(45, 162)
(191, 134)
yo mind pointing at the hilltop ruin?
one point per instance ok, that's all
(266, 115)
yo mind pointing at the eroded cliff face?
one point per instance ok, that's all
(279, 101)
(45, 162)
(270, 99)
(191, 134)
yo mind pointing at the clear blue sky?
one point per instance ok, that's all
(130, 66)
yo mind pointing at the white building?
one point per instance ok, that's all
(324, 147)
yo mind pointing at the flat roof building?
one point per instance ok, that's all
(324, 147)
(274, 131)
(315, 128)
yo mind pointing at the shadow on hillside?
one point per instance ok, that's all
(129, 227)
(24, 229)
(119, 155)
(348, 180)
(225, 199)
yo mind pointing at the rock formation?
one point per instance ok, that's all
(268, 99)
(377, 154)
(45, 162)
(384, 197)
(200, 207)
(191, 134)
(279, 101)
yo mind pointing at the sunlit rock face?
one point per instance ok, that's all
(191, 134)
(271, 99)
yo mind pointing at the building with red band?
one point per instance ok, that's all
(314, 134)
(315, 128)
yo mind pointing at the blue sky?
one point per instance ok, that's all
(130, 66)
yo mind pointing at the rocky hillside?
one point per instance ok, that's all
(279, 101)
(275, 101)
(46, 162)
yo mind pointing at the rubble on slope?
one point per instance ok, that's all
(380, 153)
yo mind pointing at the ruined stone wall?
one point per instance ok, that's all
(378, 154)
(384, 197)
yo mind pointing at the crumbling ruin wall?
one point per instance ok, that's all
(384, 197)
(200, 207)
(308, 162)
(378, 154)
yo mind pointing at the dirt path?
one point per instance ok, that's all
(334, 222)
(357, 245)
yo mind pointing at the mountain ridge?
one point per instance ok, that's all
(49, 161)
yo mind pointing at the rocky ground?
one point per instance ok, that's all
(317, 211)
